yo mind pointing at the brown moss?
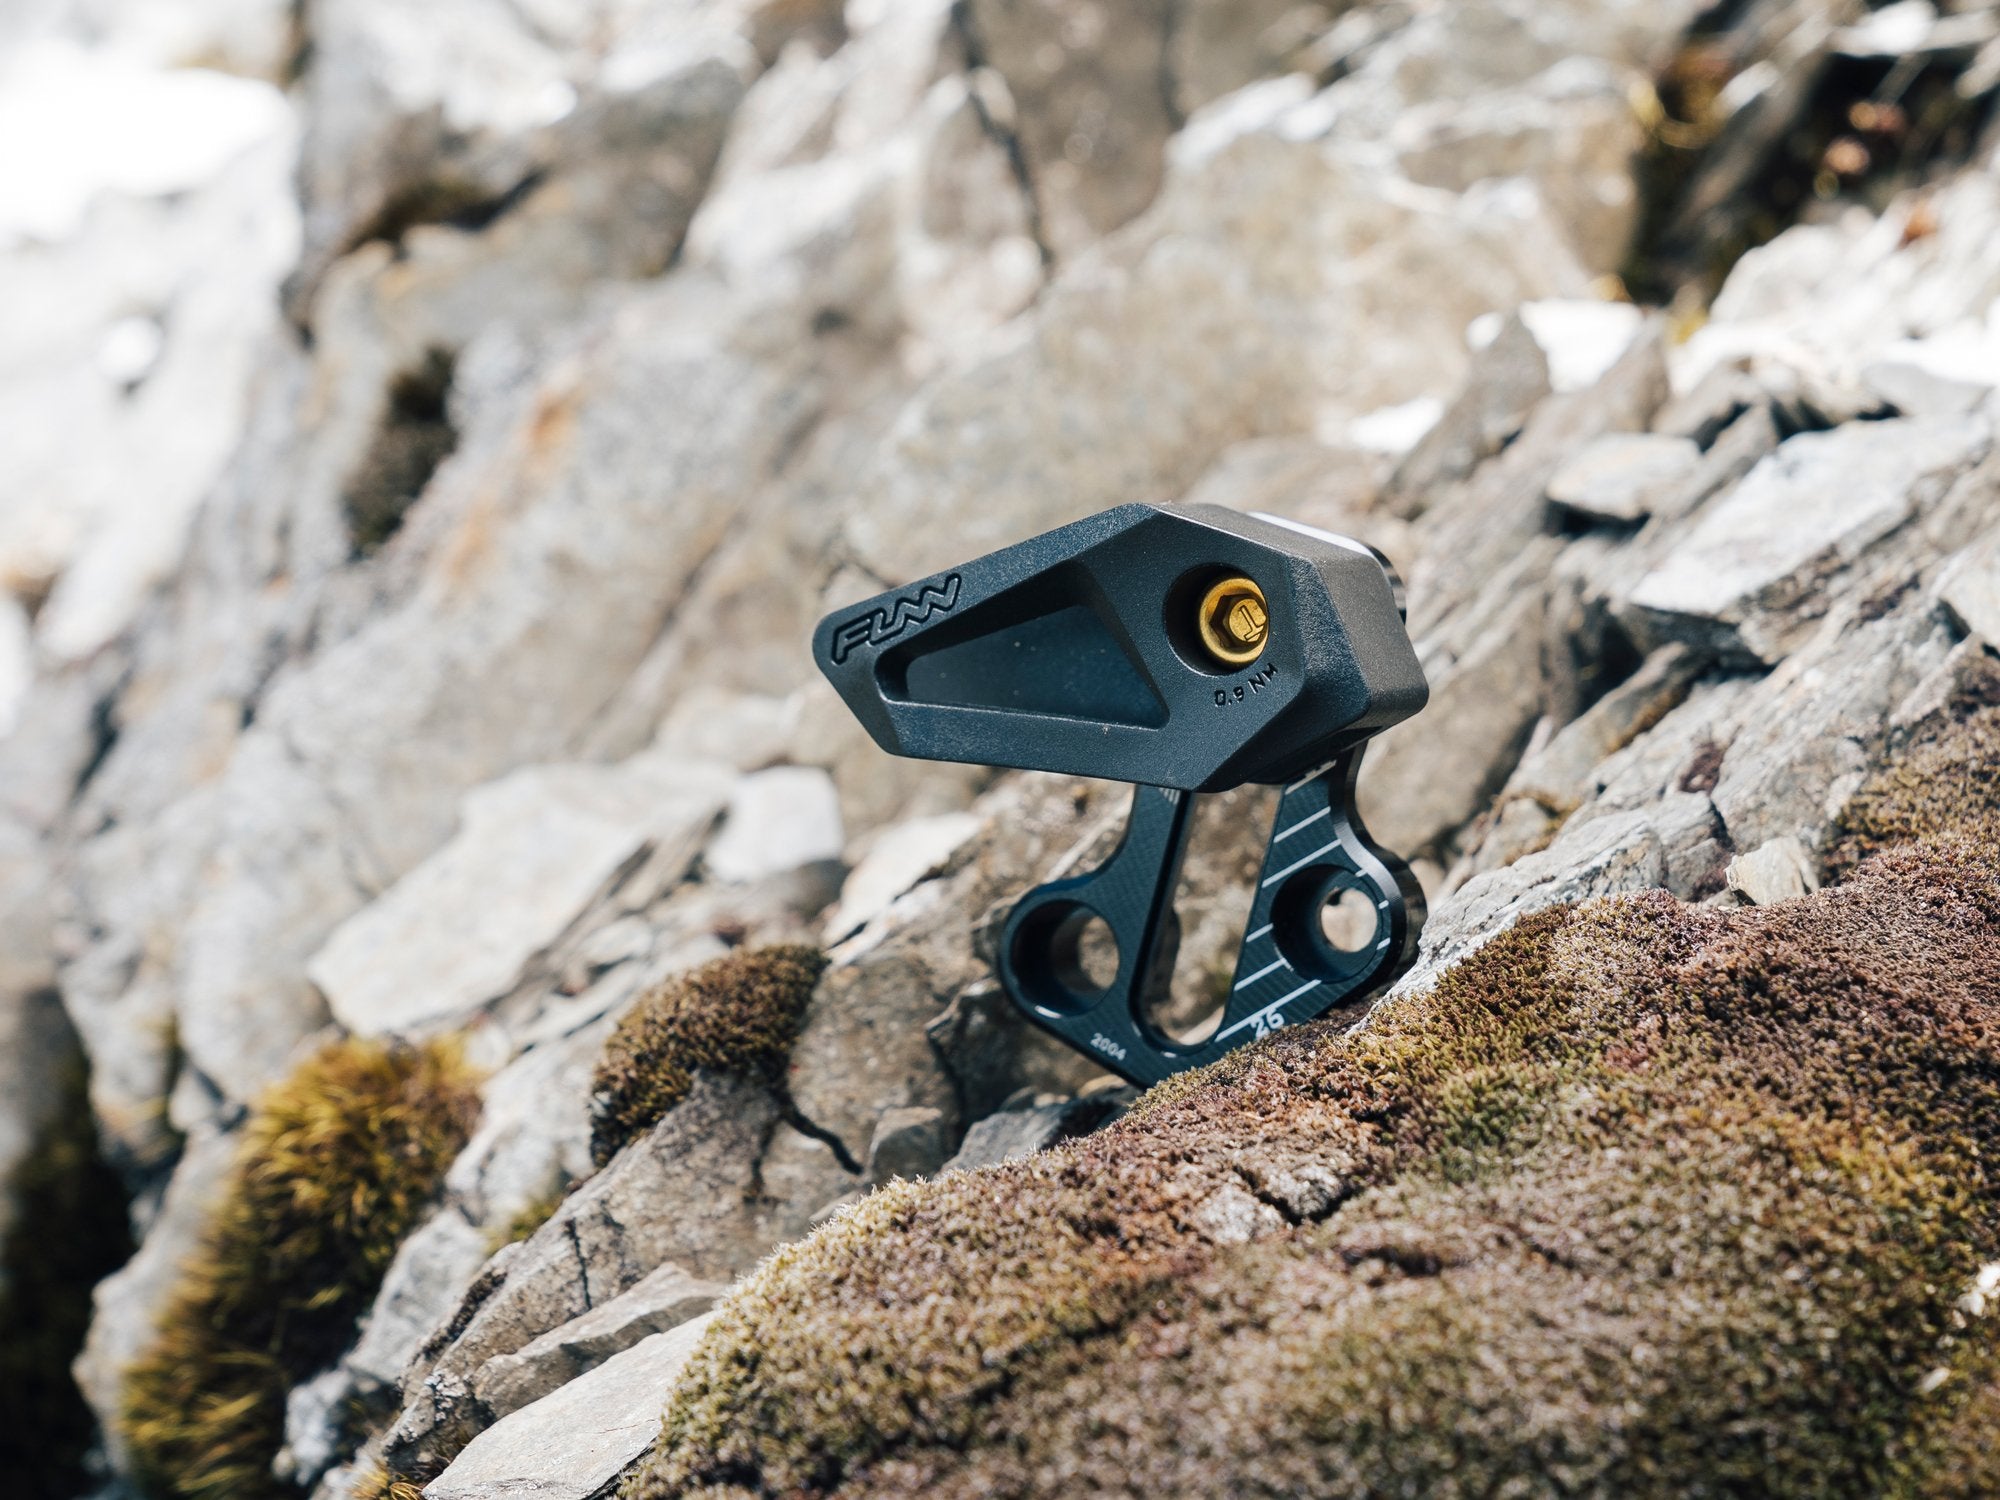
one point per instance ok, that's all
(1641, 1200)
(739, 1014)
(1946, 784)
(415, 437)
(336, 1165)
(378, 1483)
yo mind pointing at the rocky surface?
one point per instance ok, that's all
(433, 465)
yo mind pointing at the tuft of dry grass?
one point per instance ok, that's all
(336, 1166)
(1641, 1200)
(739, 1014)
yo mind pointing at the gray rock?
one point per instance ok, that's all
(1015, 1133)
(1712, 404)
(532, 852)
(574, 1444)
(38, 1056)
(898, 858)
(316, 1416)
(1969, 588)
(907, 1143)
(1774, 871)
(778, 820)
(1622, 476)
(424, 1283)
(126, 1305)
(661, 1301)
(685, 1193)
(1599, 857)
(1757, 560)
(1914, 391)
(1508, 378)
(533, 1138)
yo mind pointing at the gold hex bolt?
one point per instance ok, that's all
(1235, 622)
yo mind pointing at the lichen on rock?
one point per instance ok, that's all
(337, 1163)
(1641, 1199)
(738, 1015)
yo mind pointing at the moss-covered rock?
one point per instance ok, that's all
(337, 1164)
(1641, 1200)
(737, 1015)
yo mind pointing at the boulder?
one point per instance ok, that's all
(574, 1443)
(661, 1301)
(533, 850)
(777, 820)
(1751, 574)
(1621, 477)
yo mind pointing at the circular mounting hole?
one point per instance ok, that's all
(1347, 920)
(1234, 621)
(1090, 961)
(1328, 922)
(1067, 956)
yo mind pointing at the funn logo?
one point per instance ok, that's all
(880, 626)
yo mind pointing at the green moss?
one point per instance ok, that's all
(1641, 1200)
(379, 1483)
(69, 1232)
(739, 1014)
(337, 1165)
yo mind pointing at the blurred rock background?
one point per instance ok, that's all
(429, 432)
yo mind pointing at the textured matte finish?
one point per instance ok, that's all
(1079, 652)
(1082, 652)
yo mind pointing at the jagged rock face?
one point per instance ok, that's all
(456, 676)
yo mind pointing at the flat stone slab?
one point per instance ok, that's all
(1969, 587)
(1804, 512)
(532, 851)
(1623, 475)
(659, 1304)
(575, 1442)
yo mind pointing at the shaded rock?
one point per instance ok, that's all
(1713, 403)
(37, 1048)
(685, 1193)
(1757, 560)
(1914, 391)
(907, 1143)
(532, 852)
(1433, 775)
(1561, 774)
(1969, 588)
(425, 1282)
(1256, 224)
(128, 1303)
(315, 1428)
(777, 820)
(1015, 1133)
(1621, 477)
(663, 1300)
(1508, 377)
(573, 1444)
(1775, 871)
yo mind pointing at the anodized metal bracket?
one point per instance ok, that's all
(1184, 650)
